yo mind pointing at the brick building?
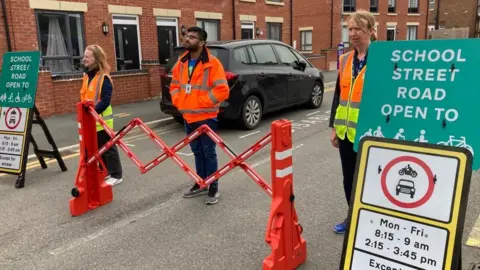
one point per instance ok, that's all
(138, 37)
(320, 25)
(455, 14)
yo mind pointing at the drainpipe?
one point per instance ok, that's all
(7, 28)
(437, 19)
(331, 23)
(291, 23)
(235, 20)
(427, 20)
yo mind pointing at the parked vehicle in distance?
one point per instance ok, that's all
(264, 76)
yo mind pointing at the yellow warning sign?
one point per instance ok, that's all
(409, 206)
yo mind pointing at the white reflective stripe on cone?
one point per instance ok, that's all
(80, 137)
(79, 125)
(284, 172)
(283, 155)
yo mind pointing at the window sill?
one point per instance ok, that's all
(348, 13)
(413, 14)
(392, 14)
(305, 51)
(248, 1)
(274, 3)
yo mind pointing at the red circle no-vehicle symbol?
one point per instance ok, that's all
(422, 165)
(13, 117)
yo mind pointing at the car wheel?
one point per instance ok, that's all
(251, 113)
(316, 97)
(179, 119)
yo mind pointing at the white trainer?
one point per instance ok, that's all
(114, 181)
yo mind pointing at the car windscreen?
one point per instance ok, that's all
(406, 183)
(220, 53)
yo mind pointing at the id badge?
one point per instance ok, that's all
(188, 89)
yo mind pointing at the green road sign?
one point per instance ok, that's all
(424, 91)
(18, 84)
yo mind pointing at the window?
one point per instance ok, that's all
(127, 42)
(412, 6)
(274, 31)
(264, 54)
(431, 4)
(240, 55)
(286, 56)
(348, 5)
(306, 40)
(248, 30)
(391, 32)
(374, 6)
(61, 40)
(391, 6)
(212, 27)
(412, 32)
(345, 36)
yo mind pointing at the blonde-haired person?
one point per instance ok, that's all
(347, 97)
(98, 86)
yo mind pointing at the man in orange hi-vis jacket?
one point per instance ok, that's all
(198, 87)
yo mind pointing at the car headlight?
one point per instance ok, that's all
(413, 189)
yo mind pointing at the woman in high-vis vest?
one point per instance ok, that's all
(98, 86)
(348, 94)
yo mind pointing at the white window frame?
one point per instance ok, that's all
(248, 25)
(430, 3)
(408, 32)
(394, 28)
(346, 42)
(128, 22)
(301, 40)
(167, 21)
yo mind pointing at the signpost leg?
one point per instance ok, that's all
(43, 153)
(20, 183)
(35, 150)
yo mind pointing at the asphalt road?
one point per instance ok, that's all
(150, 226)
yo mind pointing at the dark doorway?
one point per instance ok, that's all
(126, 47)
(167, 40)
(390, 34)
(247, 33)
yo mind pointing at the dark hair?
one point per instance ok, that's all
(202, 34)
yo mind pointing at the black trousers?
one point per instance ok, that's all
(111, 158)
(349, 158)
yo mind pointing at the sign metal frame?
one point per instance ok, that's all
(452, 256)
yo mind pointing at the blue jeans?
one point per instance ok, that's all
(203, 147)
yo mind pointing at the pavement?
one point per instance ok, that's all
(149, 225)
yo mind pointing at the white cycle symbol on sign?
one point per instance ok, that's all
(462, 142)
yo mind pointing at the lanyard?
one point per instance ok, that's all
(193, 69)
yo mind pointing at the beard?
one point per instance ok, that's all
(191, 47)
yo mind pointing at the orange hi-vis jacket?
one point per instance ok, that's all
(92, 92)
(346, 116)
(198, 97)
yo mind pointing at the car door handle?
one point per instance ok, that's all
(290, 74)
(261, 74)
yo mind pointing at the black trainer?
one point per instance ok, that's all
(194, 191)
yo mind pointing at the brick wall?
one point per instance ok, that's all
(455, 14)
(58, 95)
(318, 14)
(401, 17)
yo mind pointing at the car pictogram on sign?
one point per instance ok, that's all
(406, 187)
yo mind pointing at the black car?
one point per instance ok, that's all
(264, 76)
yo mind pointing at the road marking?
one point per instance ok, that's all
(111, 228)
(474, 238)
(121, 115)
(313, 113)
(249, 134)
(330, 89)
(185, 154)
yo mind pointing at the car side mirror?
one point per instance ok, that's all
(301, 64)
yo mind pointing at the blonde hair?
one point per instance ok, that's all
(100, 58)
(360, 17)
